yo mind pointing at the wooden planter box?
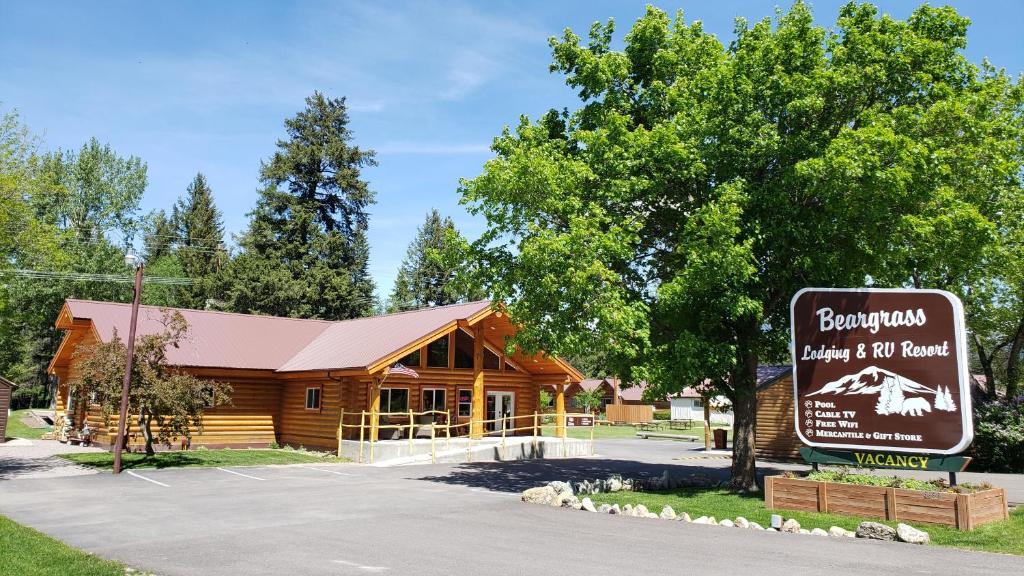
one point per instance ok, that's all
(960, 511)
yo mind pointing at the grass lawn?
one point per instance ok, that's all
(27, 552)
(621, 431)
(105, 460)
(15, 429)
(1006, 537)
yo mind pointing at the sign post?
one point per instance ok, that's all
(881, 375)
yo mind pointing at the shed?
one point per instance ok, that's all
(6, 389)
(775, 434)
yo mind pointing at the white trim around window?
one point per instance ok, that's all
(387, 397)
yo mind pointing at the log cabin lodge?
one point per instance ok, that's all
(293, 379)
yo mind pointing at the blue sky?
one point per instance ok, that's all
(205, 86)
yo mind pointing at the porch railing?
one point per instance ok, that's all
(369, 423)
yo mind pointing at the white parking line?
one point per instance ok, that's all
(329, 471)
(238, 473)
(141, 477)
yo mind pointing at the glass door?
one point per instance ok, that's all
(501, 408)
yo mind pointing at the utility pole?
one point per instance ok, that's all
(131, 260)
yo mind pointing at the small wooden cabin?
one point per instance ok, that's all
(6, 390)
(292, 379)
(776, 437)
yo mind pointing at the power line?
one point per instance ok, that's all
(92, 277)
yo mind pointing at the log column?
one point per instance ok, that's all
(560, 410)
(374, 408)
(476, 429)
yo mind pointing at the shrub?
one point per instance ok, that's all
(274, 445)
(999, 436)
(843, 475)
(662, 414)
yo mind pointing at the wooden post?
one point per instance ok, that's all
(410, 432)
(769, 492)
(476, 421)
(362, 428)
(448, 431)
(560, 410)
(374, 409)
(890, 504)
(433, 452)
(341, 430)
(593, 424)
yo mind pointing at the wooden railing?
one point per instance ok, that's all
(369, 427)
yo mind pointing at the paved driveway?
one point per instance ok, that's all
(438, 519)
(21, 458)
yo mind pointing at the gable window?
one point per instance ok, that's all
(490, 359)
(313, 398)
(465, 402)
(437, 353)
(463, 349)
(412, 359)
(394, 399)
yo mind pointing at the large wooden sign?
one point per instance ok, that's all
(882, 370)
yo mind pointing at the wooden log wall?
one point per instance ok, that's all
(775, 436)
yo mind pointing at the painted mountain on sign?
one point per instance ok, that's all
(896, 394)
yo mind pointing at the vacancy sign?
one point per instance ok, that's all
(877, 369)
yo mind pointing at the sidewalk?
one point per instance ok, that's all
(23, 458)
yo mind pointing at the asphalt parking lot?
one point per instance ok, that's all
(436, 519)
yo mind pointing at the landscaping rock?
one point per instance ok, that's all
(683, 517)
(804, 531)
(651, 515)
(875, 531)
(712, 521)
(615, 509)
(742, 522)
(567, 500)
(791, 526)
(560, 486)
(911, 535)
(614, 483)
(727, 523)
(770, 530)
(641, 511)
(542, 495)
(755, 526)
(588, 504)
(839, 532)
(667, 513)
(627, 510)
(819, 532)
(604, 508)
(701, 520)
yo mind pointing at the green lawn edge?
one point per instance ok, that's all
(201, 458)
(1005, 537)
(28, 552)
(16, 429)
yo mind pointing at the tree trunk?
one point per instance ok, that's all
(743, 381)
(1013, 363)
(145, 420)
(985, 360)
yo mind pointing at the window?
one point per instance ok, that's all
(465, 402)
(698, 403)
(411, 359)
(313, 398)
(463, 349)
(510, 367)
(490, 360)
(434, 399)
(210, 398)
(437, 353)
(394, 399)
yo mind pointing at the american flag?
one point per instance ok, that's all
(399, 369)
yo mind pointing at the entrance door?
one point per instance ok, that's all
(500, 405)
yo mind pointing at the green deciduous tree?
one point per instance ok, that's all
(305, 252)
(669, 219)
(425, 278)
(160, 393)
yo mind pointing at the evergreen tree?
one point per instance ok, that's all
(305, 253)
(424, 279)
(199, 231)
(158, 236)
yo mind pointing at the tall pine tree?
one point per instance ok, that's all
(305, 253)
(199, 233)
(423, 278)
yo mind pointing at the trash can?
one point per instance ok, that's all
(721, 439)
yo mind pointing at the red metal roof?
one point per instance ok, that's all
(228, 340)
